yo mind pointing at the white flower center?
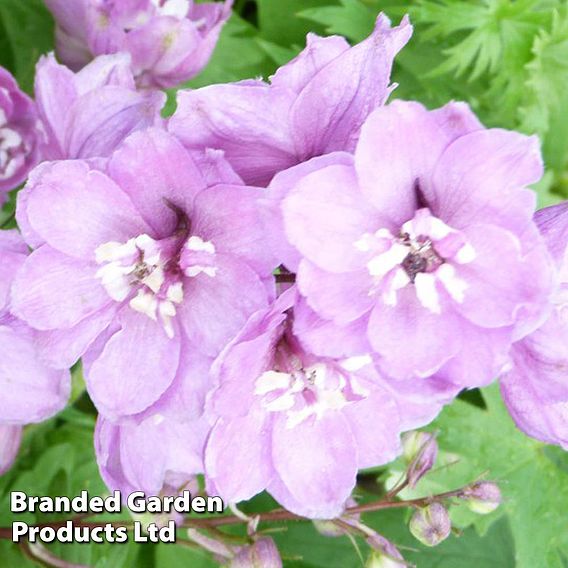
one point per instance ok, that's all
(424, 254)
(12, 149)
(138, 265)
(198, 257)
(150, 273)
(307, 392)
(176, 8)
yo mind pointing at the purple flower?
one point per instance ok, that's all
(159, 455)
(309, 422)
(261, 554)
(19, 147)
(431, 524)
(535, 388)
(136, 265)
(170, 41)
(314, 105)
(483, 497)
(422, 243)
(29, 390)
(88, 114)
(420, 451)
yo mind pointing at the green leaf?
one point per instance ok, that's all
(29, 29)
(303, 547)
(353, 19)
(279, 22)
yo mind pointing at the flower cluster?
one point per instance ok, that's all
(273, 285)
(170, 41)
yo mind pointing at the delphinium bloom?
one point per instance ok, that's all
(422, 242)
(29, 390)
(313, 105)
(161, 450)
(137, 264)
(88, 114)
(170, 41)
(19, 134)
(535, 388)
(297, 424)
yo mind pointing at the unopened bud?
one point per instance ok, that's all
(262, 554)
(420, 451)
(483, 497)
(431, 524)
(384, 554)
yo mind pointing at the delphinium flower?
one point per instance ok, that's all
(88, 114)
(535, 388)
(170, 41)
(160, 450)
(138, 264)
(422, 242)
(19, 133)
(29, 390)
(297, 424)
(313, 105)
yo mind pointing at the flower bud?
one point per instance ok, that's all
(420, 451)
(384, 554)
(483, 497)
(262, 554)
(431, 525)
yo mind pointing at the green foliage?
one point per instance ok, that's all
(28, 29)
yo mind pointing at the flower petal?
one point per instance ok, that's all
(271, 207)
(136, 366)
(375, 425)
(229, 217)
(249, 123)
(317, 463)
(332, 106)
(342, 298)
(410, 339)
(159, 175)
(30, 391)
(215, 308)
(76, 209)
(326, 338)
(397, 151)
(325, 215)
(239, 470)
(54, 291)
(480, 179)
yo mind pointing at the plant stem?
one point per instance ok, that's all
(272, 516)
